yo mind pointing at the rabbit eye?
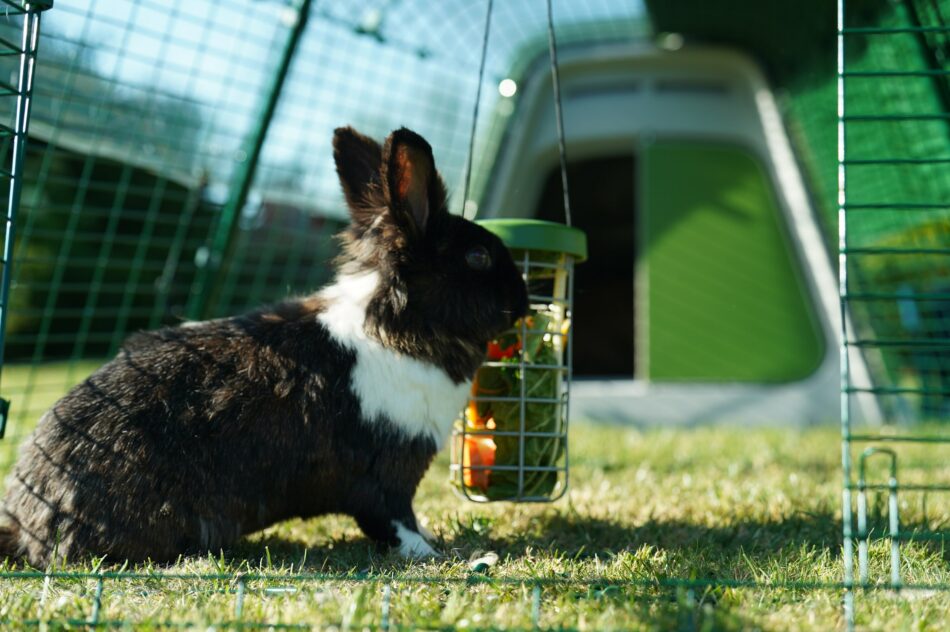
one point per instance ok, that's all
(478, 258)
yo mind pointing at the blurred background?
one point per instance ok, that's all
(179, 166)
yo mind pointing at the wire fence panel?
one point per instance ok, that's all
(896, 135)
(894, 237)
(135, 126)
(157, 187)
(138, 207)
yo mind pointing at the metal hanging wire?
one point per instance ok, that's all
(558, 113)
(478, 97)
(556, 82)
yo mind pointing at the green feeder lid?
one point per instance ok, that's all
(535, 234)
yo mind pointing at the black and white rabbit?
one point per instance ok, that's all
(333, 403)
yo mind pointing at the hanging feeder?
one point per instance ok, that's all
(510, 442)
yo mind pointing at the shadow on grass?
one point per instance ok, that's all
(556, 536)
(563, 535)
(339, 556)
(573, 536)
(559, 543)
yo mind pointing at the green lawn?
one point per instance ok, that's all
(646, 510)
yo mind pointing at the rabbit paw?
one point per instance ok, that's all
(412, 545)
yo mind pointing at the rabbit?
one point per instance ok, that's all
(337, 402)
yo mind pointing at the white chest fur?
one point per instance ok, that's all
(416, 397)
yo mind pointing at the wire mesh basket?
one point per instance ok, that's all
(510, 441)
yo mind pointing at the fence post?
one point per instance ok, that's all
(21, 126)
(201, 299)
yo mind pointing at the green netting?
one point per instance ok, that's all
(146, 115)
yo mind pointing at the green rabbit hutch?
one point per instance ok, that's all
(708, 295)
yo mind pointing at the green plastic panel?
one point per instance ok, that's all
(535, 234)
(725, 300)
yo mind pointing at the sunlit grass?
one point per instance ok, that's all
(647, 510)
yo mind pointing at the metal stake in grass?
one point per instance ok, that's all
(536, 607)
(239, 602)
(96, 603)
(384, 610)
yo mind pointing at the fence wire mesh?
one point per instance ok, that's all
(894, 242)
(146, 114)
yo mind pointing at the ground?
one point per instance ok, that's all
(650, 516)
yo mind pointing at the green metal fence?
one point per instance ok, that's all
(179, 166)
(13, 135)
(132, 171)
(898, 142)
(894, 249)
(881, 175)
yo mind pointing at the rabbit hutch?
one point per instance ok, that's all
(709, 294)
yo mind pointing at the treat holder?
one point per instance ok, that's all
(510, 441)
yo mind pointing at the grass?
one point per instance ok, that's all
(650, 516)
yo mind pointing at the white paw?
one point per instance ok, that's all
(411, 544)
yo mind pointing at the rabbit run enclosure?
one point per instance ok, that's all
(178, 167)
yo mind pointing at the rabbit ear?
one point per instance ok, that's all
(412, 184)
(358, 162)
